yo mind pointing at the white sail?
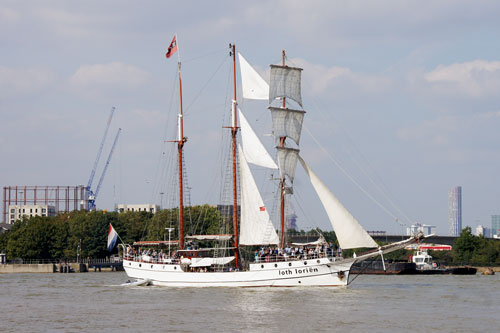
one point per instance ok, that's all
(350, 233)
(287, 123)
(256, 227)
(254, 150)
(285, 82)
(287, 161)
(253, 85)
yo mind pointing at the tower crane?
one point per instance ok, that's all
(91, 195)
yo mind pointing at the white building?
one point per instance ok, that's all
(16, 212)
(424, 228)
(455, 211)
(480, 231)
(151, 208)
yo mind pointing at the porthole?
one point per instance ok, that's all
(130, 264)
(140, 265)
(175, 267)
(317, 261)
(151, 266)
(300, 281)
(261, 266)
(289, 264)
(275, 265)
(305, 262)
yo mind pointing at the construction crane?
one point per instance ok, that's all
(91, 195)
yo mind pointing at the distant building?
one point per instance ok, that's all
(495, 225)
(424, 228)
(480, 231)
(377, 232)
(291, 221)
(455, 211)
(227, 210)
(16, 212)
(150, 208)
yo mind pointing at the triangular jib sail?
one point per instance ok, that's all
(256, 227)
(253, 85)
(349, 232)
(254, 150)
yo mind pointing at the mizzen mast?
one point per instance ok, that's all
(173, 48)
(180, 144)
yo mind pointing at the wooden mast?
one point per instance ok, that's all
(180, 144)
(234, 132)
(282, 181)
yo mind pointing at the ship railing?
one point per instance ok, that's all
(290, 257)
(152, 259)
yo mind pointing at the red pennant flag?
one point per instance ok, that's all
(262, 209)
(172, 48)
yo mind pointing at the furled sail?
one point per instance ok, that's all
(285, 82)
(254, 150)
(350, 233)
(256, 227)
(253, 85)
(287, 161)
(287, 123)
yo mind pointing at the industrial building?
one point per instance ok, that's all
(26, 200)
(16, 212)
(424, 228)
(455, 211)
(151, 208)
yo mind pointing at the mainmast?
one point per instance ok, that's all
(234, 132)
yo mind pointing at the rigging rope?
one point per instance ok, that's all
(349, 176)
(363, 170)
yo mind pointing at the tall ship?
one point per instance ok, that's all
(276, 263)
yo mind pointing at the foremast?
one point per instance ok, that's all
(287, 123)
(282, 179)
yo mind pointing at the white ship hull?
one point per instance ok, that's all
(313, 272)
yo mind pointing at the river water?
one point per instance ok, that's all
(96, 302)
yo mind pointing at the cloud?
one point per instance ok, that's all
(114, 77)
(15, 82)
(476, 78)
(446, 131)
(8, 15)
(321, 78)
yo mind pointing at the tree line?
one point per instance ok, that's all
(85, 233)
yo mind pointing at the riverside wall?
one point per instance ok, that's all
(27, 268)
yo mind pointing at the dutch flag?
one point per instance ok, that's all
(112, 236)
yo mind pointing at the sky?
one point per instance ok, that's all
(402, 97)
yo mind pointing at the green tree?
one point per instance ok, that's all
(465, 245)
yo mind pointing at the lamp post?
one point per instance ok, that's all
(169, 232)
